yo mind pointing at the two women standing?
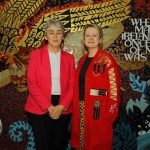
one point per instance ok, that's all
(50, 79)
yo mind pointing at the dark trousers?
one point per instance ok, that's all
(49, 134)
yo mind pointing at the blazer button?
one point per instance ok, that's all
(86, 91)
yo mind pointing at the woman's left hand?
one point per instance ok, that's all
(57, 110)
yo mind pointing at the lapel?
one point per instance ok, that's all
(81, 62)
(93, 60)
(46, 62)
(62, 63)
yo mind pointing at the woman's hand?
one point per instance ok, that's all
(55, 111)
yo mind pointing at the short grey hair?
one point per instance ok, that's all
(56, 23)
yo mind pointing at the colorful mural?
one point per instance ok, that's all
(126, 28)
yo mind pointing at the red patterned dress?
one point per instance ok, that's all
(93, 118)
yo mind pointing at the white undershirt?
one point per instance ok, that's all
(55, 72)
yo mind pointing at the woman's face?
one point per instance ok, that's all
(54, 36)
(91, 38)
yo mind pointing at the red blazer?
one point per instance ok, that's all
(98, 134)
(39, 81)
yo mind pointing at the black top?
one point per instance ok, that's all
(82, 78)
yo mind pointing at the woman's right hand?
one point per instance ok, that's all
(50, 109)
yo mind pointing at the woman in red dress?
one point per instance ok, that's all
(96, 95)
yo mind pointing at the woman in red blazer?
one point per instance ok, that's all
(50, 81)
(96, 95)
